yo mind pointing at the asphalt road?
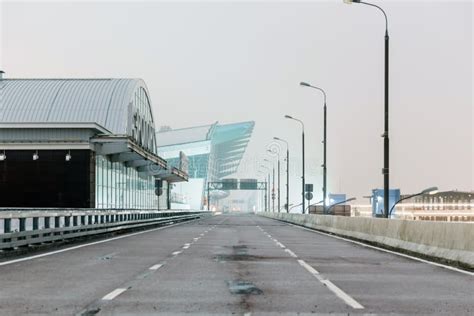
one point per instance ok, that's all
(230, 264)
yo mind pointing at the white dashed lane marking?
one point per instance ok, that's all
(113, 294)
(156, 266)
(332, 287)
(176, 253)
(291, 253)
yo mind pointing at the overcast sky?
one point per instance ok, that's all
(207, 61)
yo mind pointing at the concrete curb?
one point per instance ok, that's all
(446, 241)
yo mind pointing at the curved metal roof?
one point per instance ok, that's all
(101, 101)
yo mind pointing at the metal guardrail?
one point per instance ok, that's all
(32, 227)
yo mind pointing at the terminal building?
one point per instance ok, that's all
(214, 152)
(81, 143)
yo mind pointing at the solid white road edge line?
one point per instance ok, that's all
(113, 294)
(387, 251)
(86, 245)
(332, 287)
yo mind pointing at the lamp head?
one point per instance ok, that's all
(288, 117)
(431, 191)
(276, 138)
(351, 1)
(305, 84)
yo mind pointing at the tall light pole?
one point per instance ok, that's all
(278, 171)
(325, 175)
(264, 195)
(267, 197)
(386, 146)
(303, 176)
(287, 173)
(273, 184)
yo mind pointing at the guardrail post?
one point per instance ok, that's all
(35, 223)
(22, 224)
(7, 225)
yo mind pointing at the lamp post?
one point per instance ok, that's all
(264, 195)
(303, 176)
(273, 184)
(342, 202)
(287, 173)
(431, 191)
(267, 189)
(278, 171)
(386, 146)
(304, 84)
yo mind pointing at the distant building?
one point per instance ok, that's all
(213, 152)
(447, 200)
(80, 143)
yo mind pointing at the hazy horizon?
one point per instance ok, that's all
(239, 61)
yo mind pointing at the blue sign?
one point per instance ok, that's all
(378, 201)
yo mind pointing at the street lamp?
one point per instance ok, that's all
(264, 204)
(267, 197)
(287, 173)
(386, 145)
(278, 168)
(273, 184)
(304, 84)
(302, 138)
(342, 202)
(430, 191)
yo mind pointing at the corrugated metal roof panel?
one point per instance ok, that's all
(101, 101)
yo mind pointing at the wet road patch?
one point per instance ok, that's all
(243, 287)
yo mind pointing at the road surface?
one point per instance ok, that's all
(229, 264)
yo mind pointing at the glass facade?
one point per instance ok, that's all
(197, 164)
(121, 187)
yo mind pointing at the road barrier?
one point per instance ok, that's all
(451, 242)
(23, 228)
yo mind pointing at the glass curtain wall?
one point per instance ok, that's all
(120, 187)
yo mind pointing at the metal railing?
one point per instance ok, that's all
(25, 227)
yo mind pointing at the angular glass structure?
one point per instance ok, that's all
(213, 151)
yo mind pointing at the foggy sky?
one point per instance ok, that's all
(237, 61)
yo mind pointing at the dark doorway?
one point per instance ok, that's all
(49, 181)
